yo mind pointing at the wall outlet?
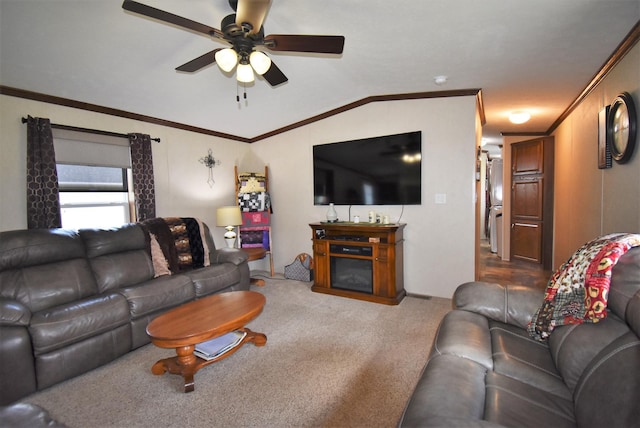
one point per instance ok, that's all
(441, 198)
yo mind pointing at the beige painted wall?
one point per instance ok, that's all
(439, 239)
(439, 245)
(589, 202)
(181, 188)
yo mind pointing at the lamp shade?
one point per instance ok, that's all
(244, 73)
(260, 62)
(226, 59)
(228, 216)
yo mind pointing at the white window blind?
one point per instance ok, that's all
(85, 148)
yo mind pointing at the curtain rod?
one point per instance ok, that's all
(91, 131)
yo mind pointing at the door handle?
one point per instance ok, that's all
(524, 225)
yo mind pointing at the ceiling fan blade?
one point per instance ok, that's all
(274, 76)
(200, 62)
(152, 12)
(303, 43)
(252, 12)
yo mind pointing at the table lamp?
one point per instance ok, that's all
(229, 218)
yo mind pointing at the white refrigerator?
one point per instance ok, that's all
(495, 205)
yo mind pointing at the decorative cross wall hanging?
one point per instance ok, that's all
(209, 161)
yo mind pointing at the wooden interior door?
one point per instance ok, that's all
(532, 200)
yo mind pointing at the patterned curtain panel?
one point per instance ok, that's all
(43, 200)
(142, 172)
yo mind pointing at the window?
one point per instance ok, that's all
(93, 196)
(94, 178)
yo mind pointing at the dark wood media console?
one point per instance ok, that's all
(359, 260)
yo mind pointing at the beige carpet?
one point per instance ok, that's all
(328, 362)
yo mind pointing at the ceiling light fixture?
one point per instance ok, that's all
(260, 62)
(519, 117)
(440, 80)
(244, 73)
(228, 58)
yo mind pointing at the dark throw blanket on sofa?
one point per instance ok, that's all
(181, 240)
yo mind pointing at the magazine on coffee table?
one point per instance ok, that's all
(219, 345)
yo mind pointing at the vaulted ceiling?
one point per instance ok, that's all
(535, 55)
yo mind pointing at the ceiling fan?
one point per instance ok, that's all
(243, 30)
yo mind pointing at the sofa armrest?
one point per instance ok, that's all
(14, 313)
(228, 255)
(510, 304)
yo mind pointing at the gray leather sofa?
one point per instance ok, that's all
(73, 301)
(485, 371)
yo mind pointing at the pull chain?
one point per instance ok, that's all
(244, 85)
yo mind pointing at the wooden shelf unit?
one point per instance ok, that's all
(381, 244)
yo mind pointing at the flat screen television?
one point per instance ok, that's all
(382, 170)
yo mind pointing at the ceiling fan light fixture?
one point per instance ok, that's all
(244, 73)
(226, 59)
(260, 62)
(519, 117)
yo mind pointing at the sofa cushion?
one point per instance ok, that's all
(625, 284)
(510, 304)
(100, 242)
(13, 313)
(80, 357)
(26, 415)
(48, 285)
(119, 257)
(464, 334)
(512, 403)
(608, 391)
(633, 314)
(574, 346)
(24, 248)
(63, 325)
(17, 369)
(518, 356)
(157, 294)
(449, 387)
(118, 270)
(214, 278)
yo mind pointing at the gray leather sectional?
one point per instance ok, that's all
(485, 371)
(71, 301)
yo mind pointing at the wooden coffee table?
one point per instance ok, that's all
(198, 321)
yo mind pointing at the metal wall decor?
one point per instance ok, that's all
(622, 127)
(604, 145)
(209, 161)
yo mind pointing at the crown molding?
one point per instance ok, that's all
(620, 52)
(36, 96)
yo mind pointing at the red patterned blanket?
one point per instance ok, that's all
(578, 291)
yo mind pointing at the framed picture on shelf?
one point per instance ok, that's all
(604, 149)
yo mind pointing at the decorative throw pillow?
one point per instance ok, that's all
(160, 264)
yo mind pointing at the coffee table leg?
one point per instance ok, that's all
(258, 339)
(184, 364)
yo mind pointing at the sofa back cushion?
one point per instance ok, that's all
(625, 284)
(43, 268)
(574, 347)
(119, 257)
(597, 360)
(608, 392)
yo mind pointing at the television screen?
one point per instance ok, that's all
(373, 171)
